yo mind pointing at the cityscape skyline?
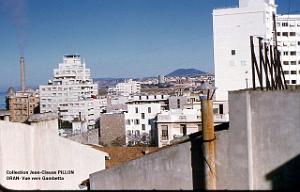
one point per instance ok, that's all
(116, 38)
(149, 94)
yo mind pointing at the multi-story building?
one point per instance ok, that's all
(72, 92)
(141, 111)
(176, 123)
(161, 79)
(232, 28)
(126, 88)
(22, 104)
(288, 39)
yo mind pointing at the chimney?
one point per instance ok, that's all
(22, 73)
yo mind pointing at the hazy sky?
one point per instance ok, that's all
(117, 38)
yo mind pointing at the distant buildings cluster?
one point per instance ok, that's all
(125, 116)
(139, 111)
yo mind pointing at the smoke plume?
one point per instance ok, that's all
(16, 10)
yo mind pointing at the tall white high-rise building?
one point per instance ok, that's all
(232, 28)
(288, 38)
(71, 93)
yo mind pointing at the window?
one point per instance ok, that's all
(128, 121)
(143, 115)
(232, 52)
(178, 103)
(137, 133)
(243, 63)
(285, 53)
(164, 132)
(215, 110)
(293, 52)
(149, 121)
(136, 110)
(199, 127)
(286, 72)
(285, 24)
(298, 42)
(293, 62)
(183, 129)
(285, 63)
(136, 121)
(293, 82)
(154, 96)
(278, 33)
(287, 81)
(299, 62)
(149, 109)
(278, 24)
(292, 34)
(293, 72)
(143, 126)
(286, 34)
(221, 109)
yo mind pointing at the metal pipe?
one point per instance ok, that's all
(252, 62)
(208, 143)
(249, 142)
(260, 73)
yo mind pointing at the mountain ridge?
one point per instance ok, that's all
(185, 72)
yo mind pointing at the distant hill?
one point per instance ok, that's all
(186, 72)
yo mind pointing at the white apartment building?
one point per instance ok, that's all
(232, 28)
(176, 123)
(126, 88)
(71, 92)
(288, 39)
(140, 115)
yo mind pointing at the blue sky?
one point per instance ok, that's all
(117, 38)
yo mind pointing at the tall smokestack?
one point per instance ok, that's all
(22, 73)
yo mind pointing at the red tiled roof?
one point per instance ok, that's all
(119, 155)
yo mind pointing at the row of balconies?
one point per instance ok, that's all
(66, 88)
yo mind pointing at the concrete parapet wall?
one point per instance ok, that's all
(167, 169)
(264, 134)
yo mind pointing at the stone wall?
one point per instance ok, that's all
(112, 129)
